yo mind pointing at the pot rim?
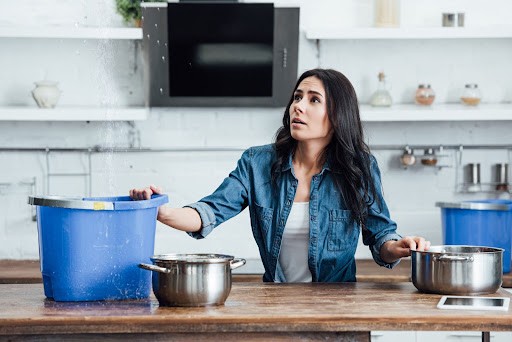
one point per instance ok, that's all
(478, 250)
(196, 258)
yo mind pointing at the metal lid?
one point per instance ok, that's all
(192, 258)
(70, 203)
(475, 205)
(471, 85)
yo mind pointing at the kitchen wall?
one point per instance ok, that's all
(109, 74)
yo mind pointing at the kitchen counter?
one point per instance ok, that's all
(27, 271)
(329, 311)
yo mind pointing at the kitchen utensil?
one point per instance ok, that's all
(472, 177)
(457, 270)
(192, 279)
(90, 247)
(453, 19)
(501, 171)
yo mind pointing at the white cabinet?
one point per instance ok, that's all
(460, 336)
(393, 336)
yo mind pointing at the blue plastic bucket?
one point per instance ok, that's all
(90, 248)
(479, 223)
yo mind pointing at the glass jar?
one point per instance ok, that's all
(407, 158)
(429, 157)
(381, 97)
(471, 95)
(387, 13)
(425, 95)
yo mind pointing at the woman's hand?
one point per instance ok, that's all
(392, 250)
(145, 194)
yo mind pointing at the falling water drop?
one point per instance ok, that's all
(156, 25)
(76, 24)
(85, 41)
(158, 8)
(77, 52)
(163, 58)
(161, 91)
(158, 42)
(147, 35)
(142, 17)
(165, 44)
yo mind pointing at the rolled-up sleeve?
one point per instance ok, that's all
(207, 219)
(379, 227)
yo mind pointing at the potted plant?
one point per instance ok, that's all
(130, 10)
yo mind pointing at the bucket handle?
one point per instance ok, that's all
(155, 268)
(455, 258)
(237, 262)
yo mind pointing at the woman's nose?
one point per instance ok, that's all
(299, 106)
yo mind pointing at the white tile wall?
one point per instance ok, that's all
(110, 73)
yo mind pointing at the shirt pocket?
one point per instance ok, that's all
(343, 232)
(263, 217)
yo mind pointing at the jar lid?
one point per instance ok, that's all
(422, 85)
(471, 85)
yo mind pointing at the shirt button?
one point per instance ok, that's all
(288, 202)
(313, 218)
(282, 222)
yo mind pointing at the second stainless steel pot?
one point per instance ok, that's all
(192, 279)
(457, 270)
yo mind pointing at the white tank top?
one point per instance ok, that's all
(293, 257)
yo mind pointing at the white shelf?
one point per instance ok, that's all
(72, 32)
(437, 112)
(73, 114)
(410, 33)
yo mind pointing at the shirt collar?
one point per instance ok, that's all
(289, 165)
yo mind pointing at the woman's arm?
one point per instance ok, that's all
(186, 219)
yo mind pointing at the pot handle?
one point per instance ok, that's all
(455, 258)
(237, 262)
(155, 268)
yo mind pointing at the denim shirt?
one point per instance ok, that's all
(333, 236)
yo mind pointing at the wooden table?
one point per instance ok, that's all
(27, 271)
(253, 311)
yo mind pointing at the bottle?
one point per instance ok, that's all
(381, 97)
(387, 13)
(425, 95)
(471, 95)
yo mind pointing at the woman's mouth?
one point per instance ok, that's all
(298, 121)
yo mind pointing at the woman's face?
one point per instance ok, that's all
(308, 112)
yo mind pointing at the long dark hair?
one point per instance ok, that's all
(348, 155)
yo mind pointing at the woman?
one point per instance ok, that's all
(309, 194)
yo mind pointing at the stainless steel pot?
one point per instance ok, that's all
(192, 279)
(457, 270)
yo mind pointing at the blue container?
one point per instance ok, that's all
(479, 223)
(90, 248)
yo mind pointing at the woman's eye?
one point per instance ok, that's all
(315, 99)
(297, 97)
